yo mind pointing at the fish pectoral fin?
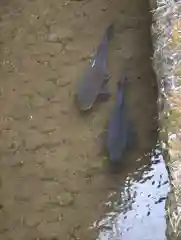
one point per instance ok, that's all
(104, 93)
(107, 76)
(104, 89)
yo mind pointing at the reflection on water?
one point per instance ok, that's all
(139, 213)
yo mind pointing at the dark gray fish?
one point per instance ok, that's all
(94, 82)
(118, 137)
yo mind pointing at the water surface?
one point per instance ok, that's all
(138, 213)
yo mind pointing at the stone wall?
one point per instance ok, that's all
(166, 32)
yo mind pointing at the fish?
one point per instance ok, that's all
(119, 131)
(95, 79)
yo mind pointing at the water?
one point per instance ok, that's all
(138, 213)
(49, 151)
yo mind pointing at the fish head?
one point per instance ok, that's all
(121, 83)
(120, 93)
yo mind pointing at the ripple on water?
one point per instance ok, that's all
(139, 214)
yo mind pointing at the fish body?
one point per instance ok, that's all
(119, 128)
(96, 77)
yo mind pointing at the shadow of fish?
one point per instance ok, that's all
(94, 82)
(119, 129)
